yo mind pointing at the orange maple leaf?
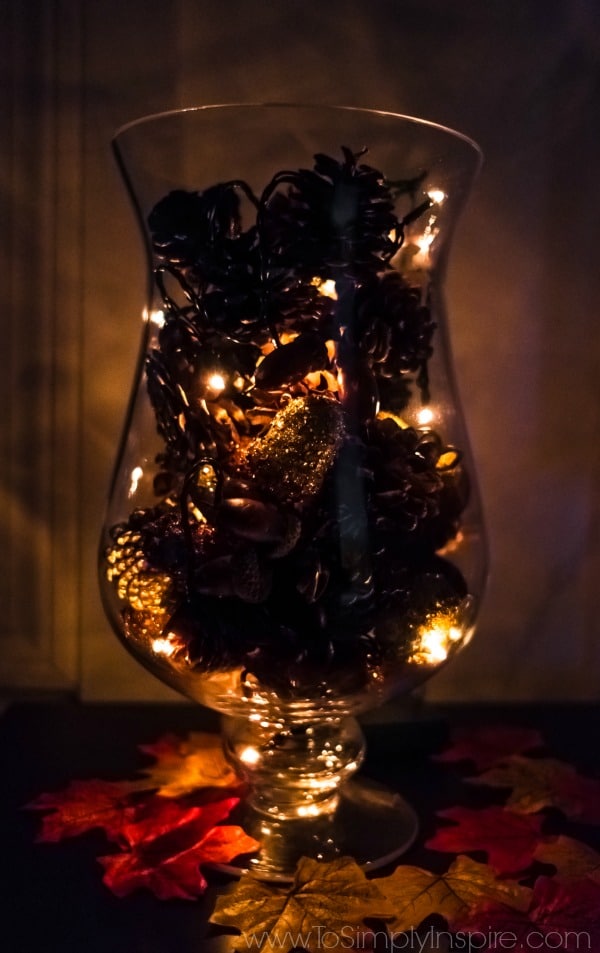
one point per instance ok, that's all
(187, 764)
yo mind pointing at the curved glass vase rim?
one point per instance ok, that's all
(313, 107)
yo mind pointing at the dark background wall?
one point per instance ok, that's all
(523, 79)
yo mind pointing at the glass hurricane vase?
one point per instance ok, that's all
(294, 533)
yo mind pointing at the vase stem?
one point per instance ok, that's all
(294, 770)
(303, 800)
(295, 773)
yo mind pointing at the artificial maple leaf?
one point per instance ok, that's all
(569, 914)
(84, 805)
(126, 815)
(191, 765)
(485, 745)
(508, 839)
(582, 797)
(157, 816)
(545, 782)
(169, 864)
(325, 900)
(572, 859)
(565, 907)
(184, 765)
(416, 893)
(488, 924)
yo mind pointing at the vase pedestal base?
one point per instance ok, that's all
(371, 824)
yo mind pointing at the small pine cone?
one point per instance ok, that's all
(136, 583)
(177, 226)
(392, 328)
(208, 629)
(190, 228)
(406, 483)
(142, 628)
(125, 560)
(149, 592)
(337, 216)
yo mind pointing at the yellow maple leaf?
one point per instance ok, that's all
(326, 900)
(416, 893)
(534, 783)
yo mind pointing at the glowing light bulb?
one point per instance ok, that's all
(437, 196)
(325, 287)
(156, 317)
(435, 639)
(250, 756)
(308, 810)
(425, 241)
(164, 647)
(425, 415)
(433, 645)
(216, 383)
(136, 475)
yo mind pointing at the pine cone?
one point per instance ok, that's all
(198, 230)
(336, 217)
(392, 328)
(137, 583)
(413, 489)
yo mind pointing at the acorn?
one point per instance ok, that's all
(252, 520)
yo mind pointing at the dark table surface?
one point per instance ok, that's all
(52, 899)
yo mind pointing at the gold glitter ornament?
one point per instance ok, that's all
(295, 454)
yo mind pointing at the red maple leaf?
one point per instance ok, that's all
(568, 914)
(157, 816)
(83, 805)
(167, 823)
(508, 839)
(191, 769)
(126, 816)
(169, 864)
(582, 795)
(487, 744)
